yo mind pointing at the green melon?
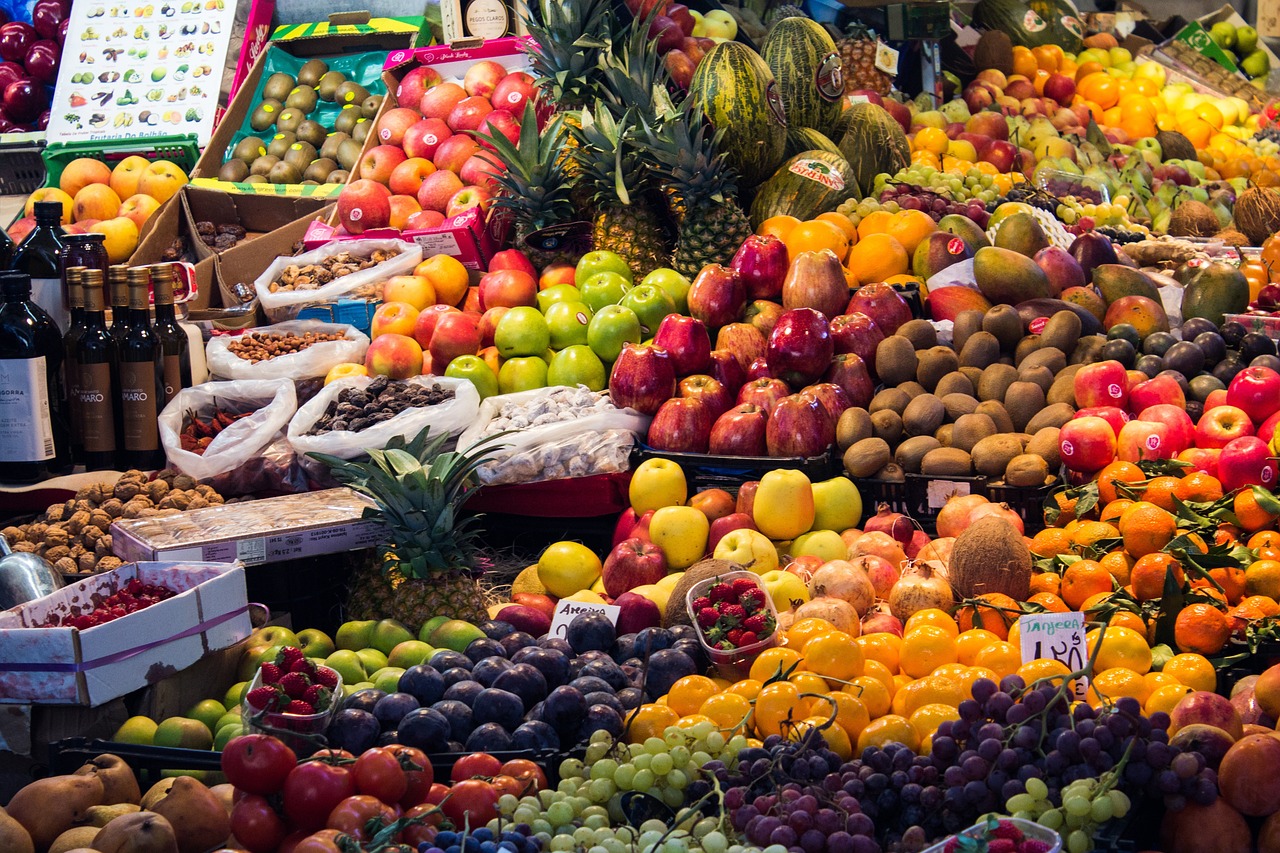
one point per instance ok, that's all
(809, 183)
(736, 90)
(872, 143)
(804, 61)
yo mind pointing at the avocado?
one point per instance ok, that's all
(311, 72)
(249, 149)
(302, 98)
(265, 115)
(278, 86)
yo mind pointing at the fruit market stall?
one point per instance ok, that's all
(640, 427)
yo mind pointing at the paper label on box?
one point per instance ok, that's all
(939, 491)
(442, 243)
(180, 554)
(1059, 636)
(567, 611)
(251, 551)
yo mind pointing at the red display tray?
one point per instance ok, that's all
(580, 497)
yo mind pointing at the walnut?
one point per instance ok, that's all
(28, 547)
(112, 507)
(127, 489)
(167, 511)
(205, 492)
(176, 500)
(13, 534)
(216, 499)
(167, 475)
(87, 562)
(106, 542)
(156, 490)
(56, 535)
(68, 508)
(150, 512)
(66, 565)
(110, 562)
(182, 481)
(55, 513)
(100, 519)
(57, 553)
(91, 535)
(77, 549)
(36, 530)
(197, 502)
(133, 509)
(102, 549)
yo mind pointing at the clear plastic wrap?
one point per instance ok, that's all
(311, 363)
(286, 304)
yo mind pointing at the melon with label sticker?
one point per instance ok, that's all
(810, 183)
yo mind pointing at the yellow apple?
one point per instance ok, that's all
(657, 483)
(344, 370)
(669, 582)
(586, 596)
(826, 544)
(783, 507)
(681, 533)
(598, 586)
(784, 589)
(126, 175)
(720, 23)
(654, 593)
(836, 505)
(748, 548)
(161, 180)
(567, 567)
(699, 26)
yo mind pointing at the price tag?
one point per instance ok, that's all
(886, 59)
(567, 611)
(1059, 636)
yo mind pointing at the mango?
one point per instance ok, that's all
(1004, 275)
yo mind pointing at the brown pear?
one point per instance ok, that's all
(157, 791)
(226, 794)
(76, 837)
(118, 782)
(199, 819)
(14, 836)
(139, 832)
(816, 280)
(100, 816)
(49, 807)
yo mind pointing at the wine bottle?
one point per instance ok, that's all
(121, 316)
(141, 385)
(70, 366)
(96, 356)
(175, 355)
(6, 250)
(39, 255)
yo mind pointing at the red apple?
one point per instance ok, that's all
(416, 83)
(990, 124)
(800, 347)
(761, 263)
(743, 340)
(1060, 87)
(882, 304)
(468, 114)
(632, 563)
(508, 288)
(1220, 425)
(1101, 384)
(364, 205)
(483, 78)
(512, 259)
(556, 273)
(765, 392)
(679, 13)
(455, 335)
(1246, 461)
(395, 123)
(513, 92)
(480, 170)
(849, 372)
(901, 114)
(1087, 444)
(1115, 416)
(642, 378)
(407, 177)
(1268, 427)
(439, 101)
(424, 220)
(832, 397)
(1217, 397)
(740, 431)
(687, 342)
(1202, 459)
(858, 334)
(500, 122)
(1255, 390)
(467, 198)
(759, 369)
(717, 296)
(1141, 440)
(380, 161)
(424, 137)
(454, 151)
(1182, 431)
(488, 323)
(702, 387)
(799, 426)
(681, 425)
(678, 63)
(1003, 155)
(427, 320)
(733, 521)
(437, 188)
(727, 371)
(1158, 390)
(763, 314)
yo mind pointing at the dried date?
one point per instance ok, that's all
(316, 275)
(354, 410)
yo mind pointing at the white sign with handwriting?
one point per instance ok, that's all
(1059, 636)
(567, 611)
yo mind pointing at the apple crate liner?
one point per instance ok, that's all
(729, 472)
(735, 664)
(69, 666)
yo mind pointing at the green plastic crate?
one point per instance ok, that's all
(178, 149)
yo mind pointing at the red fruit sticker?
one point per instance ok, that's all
(1153, 442)
(1114, 391)
(955, 246)
(1067, 448)
(356, 214)
(830, 77)
(1037, 325)
(1032, 22)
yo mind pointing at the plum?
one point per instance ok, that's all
(364, 700)
(454, 674)
(459, 716)
(424, 683)
(392, 707)
(536, 735)
(601, 698)
(652, 640)
(564, 709)
(488, 670)
(600, 718)
(483, 648)
(607, 671)
(465, 692)
(624, 647)
(517, 640)
(631, 698)
(557, 643)
(496, 629)
(590, 632)
(585, 684)
(525, 681)
(425, 729)
(552, 663)
(488, 737)
(447, 659)
(354, 730)
(665, 669)
(498, 706)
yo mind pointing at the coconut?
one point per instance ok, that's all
(677, 612)
(1231, 237)
(1193, 219)
(1257, 214)
(990, 556)
(1175, 146)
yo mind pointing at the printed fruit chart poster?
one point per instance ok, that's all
(136, 69)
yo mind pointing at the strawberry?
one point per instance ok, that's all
(263, 698)
(288, 656)
(951, 846)
(707, 617)
(1001, 845)
(294, 684)
(297, 706)
(733, 612)
(743, 585)
(271, 673)
(721, 592)
(1005, 829)
(326, 676)
(303, 666)
(752, 599)
(701, 603)
(748, 638)
(1033, 845)
(735, 637)
(317, 696)
(758, 624)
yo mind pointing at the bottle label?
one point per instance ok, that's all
(172, 365)
(48, 294)
(71, 375)
(97, 423)
(26, 425)
(138, 395)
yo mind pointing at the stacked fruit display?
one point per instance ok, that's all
(29, 57)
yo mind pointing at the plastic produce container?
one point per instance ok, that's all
(1031, 830)
(303, 733)
(734, 664)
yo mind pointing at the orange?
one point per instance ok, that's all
(995, 615)
(1201, 628)
(842, 222)
(1232, 581)
(952, 671)
(911, 227)
(1198, 486)
(778, 226)
(1050, 542)
(851, 714)
(1249, 512)
(747, 688)
(1265, 539)
(930, 139)
(1121, 647)
(931, 616)
(1046, 581)
(926, 691)
(834, 656)
(804, 630)
(926, 648)
(876, 222)
(687, 694)
(836, 737)
(1165, 698)
(877, 256)
(1086, 68)
(883, 648)
(808, 682)
(1000, 657)
(1090, 532)
(1116, 683)
(1147, 528)
(727, 710)
(816, 235)
(1117, 472)
(1049, 56)
(649, 721)
(1101, 88)
(1265, 604)
(926, 719)
(1148, 574)
(1156, 680)
(1083, 579)
(1049, 602)
(777, 703)
(1262, 577)
(447, 275)
(1119, 564)
(1034, 670)
(1112, 511)
(886, 729)
(972, 641)
(1193, 670)
(773, 662)
(871, 692)
(1159, 491)
(1024, 63)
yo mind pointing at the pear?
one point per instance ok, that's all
(157, 791)
(200, 820)
(14, 837)
(225, 793)
(118, 782)
(76, 837)
(100, 816)
(49, 807)
(139, 832)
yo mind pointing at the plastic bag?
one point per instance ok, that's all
(311, 363)
(286, 304)
(562, 437)
(272, 401)
(277, 470)
(452, 417)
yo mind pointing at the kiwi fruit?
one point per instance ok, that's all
(361, 130)
(1026, 471)
(973, 374)
(920, 332)
(946, 462)
(338, 176)
(894, 399)
(278, 86)
(284, 172)
(300, 155)
(256, 179)
(233, 170)
(933, 364)
(891, 473)
(329, 148)
(327, 86)
(853, 426)
(249, 149)
(1003, 322)
(350, 92)
(312, 131)
(991, 455)
(1039, 374)
(981, 350)
(290, 119)
(1052, 415)
(319, 170)
(887, 424)
(1025, 347)
(911, 452)
(1062, 390)
(348, 153)
(262, 166)
(302, 98)
(923, 415)
(944, 434)
(1062, 331)
(995, 410)
(958, 404)
(266, 114)
(280, 143)
(954, 382)
(1050, 357)
(1087, 349)
(866, 457)
(311, 72)
(370, 105)
(1022, 401)
(912, 389)
(965, 324)
(968, 430)
(895, 360)
(1044, 443)
(996, 379)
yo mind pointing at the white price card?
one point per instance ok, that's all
(1059, 636)
(567, 611)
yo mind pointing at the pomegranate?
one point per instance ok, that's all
(880, 621)
(919, 540)
(1001, 511)
(882, 574)
(845, 581)
(897, 525)
(920, 588)
(954, 515)
(837, 611)
(878, 545)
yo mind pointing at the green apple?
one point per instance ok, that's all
(1246, 40)
(355, 635)
(253, 658)
(474, 368)
(651, 303)
(604, 288)
(826, 544)
(522, 374)
(1256, 64)
(140, 731)
(567, 322)
(347, 690)
(674, 284)
(372, 659)
(1224, 33)
(577, 365)
(224, 735)
(235, 694)
(207, 711)
(388, 634)
(424, 633)
(601, 261)
(521, 331)
(455, 634)
(610, 328)
(348, 664)
(557, 293)
(232, 717)
(184, 732)
(1150, 143)
(410, 653)
(387, 679)
(316, 643)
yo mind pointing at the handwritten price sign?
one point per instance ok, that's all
(1059, 636)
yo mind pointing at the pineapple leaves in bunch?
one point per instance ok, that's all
(568, 38)
(634, 75)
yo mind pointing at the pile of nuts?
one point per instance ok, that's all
(317, 275)
(355, 409)
(263, 346)
(219, 237)
(76, 536)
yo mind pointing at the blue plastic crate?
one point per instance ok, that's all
(357, 313)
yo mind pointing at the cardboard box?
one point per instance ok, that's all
(258, 215)
(1229, 14)
(68, 666)
(482, 19)
(266, 531)
(160, 231)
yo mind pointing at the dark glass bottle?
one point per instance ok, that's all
(175, 355)
(84, 250)
(6, 250)
(34, 438)
(39, 255)
(96, 356)
(70, 366)
(118, 298)
(141, 384)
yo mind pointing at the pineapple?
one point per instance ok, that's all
(858, 55)
(626, 220)
(427, 562)
(567, 44)
(700, 191)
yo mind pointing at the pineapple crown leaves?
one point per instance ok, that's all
(418, 490)
(684, 149)
(568, 37)
(634, 74)
(611, 161)
(533, 183)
